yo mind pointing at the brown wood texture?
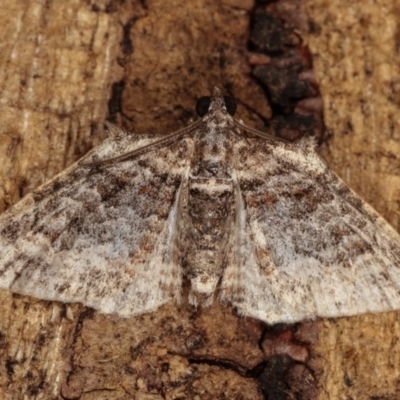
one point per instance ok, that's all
(65, 66)
(355, 48)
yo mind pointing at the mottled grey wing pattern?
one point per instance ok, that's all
(281, 234)
(304, 244)
(115, 226)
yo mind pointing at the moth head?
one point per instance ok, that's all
(215, 103)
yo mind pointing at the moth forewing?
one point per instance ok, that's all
(259, 222)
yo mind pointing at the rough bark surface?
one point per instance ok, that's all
(355, 49)
(66, 66)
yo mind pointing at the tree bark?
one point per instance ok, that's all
(68, 66)
(356, 63)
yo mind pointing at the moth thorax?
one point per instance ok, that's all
(211, 169)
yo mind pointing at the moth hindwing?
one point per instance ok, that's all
(260, 223)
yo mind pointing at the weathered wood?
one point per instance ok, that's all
(64, 66)
(356, 62)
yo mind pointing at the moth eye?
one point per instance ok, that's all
(202, 105)
(230, 105)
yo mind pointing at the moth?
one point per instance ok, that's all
(257, 222)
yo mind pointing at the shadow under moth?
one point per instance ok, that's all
(257, 222)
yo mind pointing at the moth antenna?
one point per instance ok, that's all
(263, 135)
(148, 147)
